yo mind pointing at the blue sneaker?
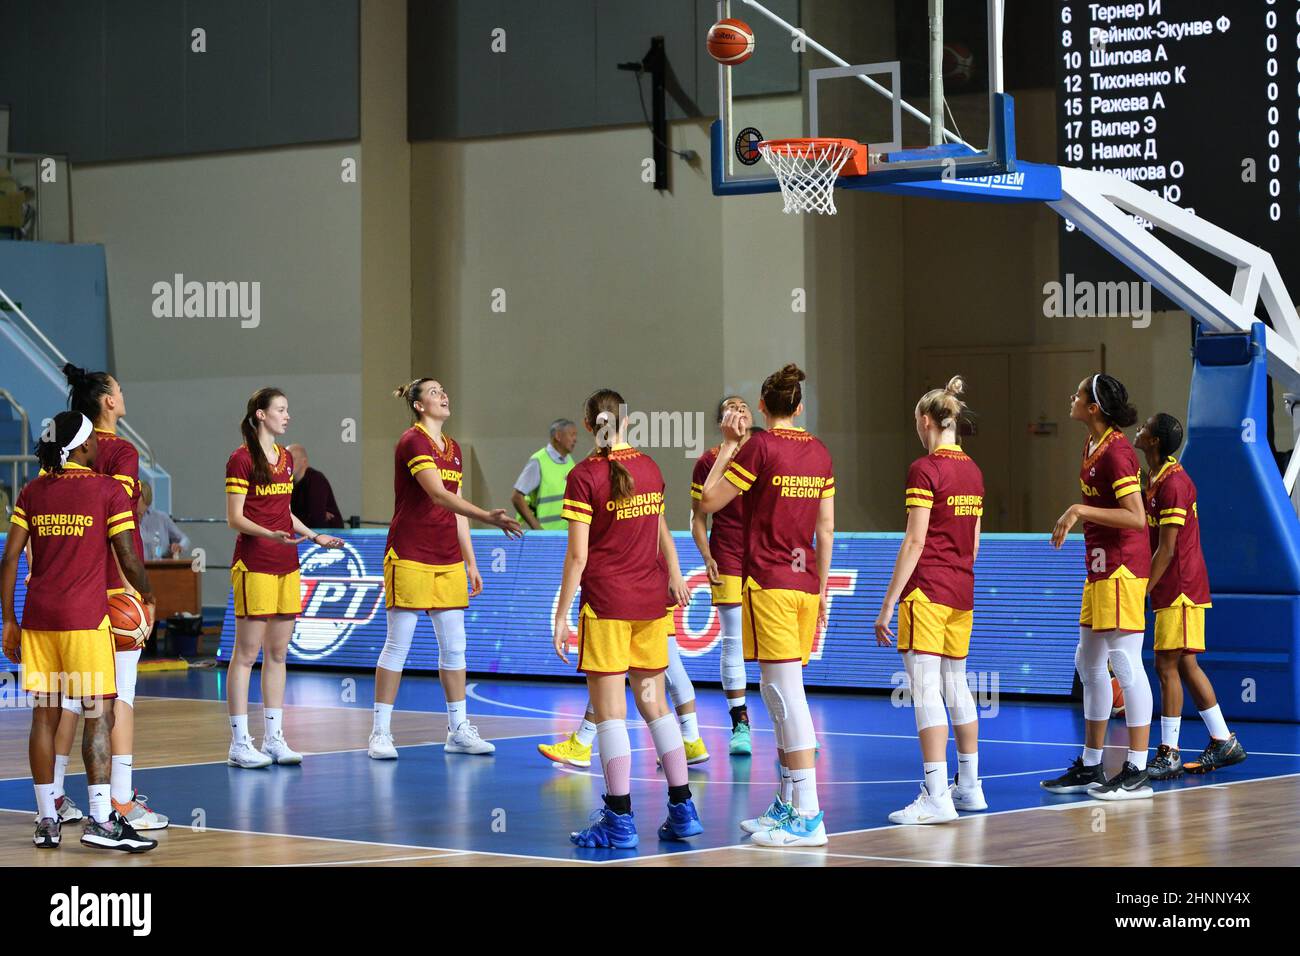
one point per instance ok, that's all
(773, 816)
(682, 822)
(795, 830)
(608, 829)
(740, 745)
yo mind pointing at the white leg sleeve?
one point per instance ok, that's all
(925, 681)
(1090, 662)
(680, 689)
(782, 691)
(1126, 662)
(733, 653)
(956, 691)
(73, 704)
(401, 629)
(450, 628)
(128, 662)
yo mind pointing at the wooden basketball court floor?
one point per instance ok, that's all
(515, 808)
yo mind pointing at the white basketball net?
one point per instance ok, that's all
(807, 173)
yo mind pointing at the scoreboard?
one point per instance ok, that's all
(1197, 101)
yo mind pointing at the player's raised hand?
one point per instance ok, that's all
(733, 425)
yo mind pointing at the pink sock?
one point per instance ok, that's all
(667, 736)
(615, 756)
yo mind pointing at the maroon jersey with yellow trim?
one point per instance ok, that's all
(421, 530)
(1108, 474)
(727, 528)
(118, 459)
(949, 483)
(625, 578)
(784, 474)
(70, 516)
(1171, 500)
(266, 504)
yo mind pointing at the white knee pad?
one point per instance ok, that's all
(680, 689)
(733, 652)
(925, 681)
(783, 693)
(450, 628)
(1126, 661)
(73, 705)
(401, 630)
(128, 663)
(956, 691)
(1090, 662)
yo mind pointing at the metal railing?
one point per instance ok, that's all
(22, 458)
(54, 355)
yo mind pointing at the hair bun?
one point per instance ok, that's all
(73, 374)
(956, 385)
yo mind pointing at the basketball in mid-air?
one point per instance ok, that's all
(730, 42)
(128, 620)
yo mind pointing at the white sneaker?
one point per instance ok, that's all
(381, 746)
(926, 809)
(465, 740)
(244, 754)
(968, 798)
(278, 749)
(795, 830)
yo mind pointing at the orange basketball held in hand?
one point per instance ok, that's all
(128, 621)
(730, 42)
(1117, 698)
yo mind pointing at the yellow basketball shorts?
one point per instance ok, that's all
(614, 646)
(1181, 628)
(78, 664)
(258, 594)
(728, 592)
(929, 628)
(777, 624)
(1116, 603)
(424, 587)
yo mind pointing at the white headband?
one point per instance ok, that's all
(77, 440)
(1095, 397)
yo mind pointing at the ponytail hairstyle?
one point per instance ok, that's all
(1111, 397)
(260, 401)
(944, 405)
(602, 417)
(86, 391)
(782, 393)
(1168, 433)
(410, 393)
(67, 425)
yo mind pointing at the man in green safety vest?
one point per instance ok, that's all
(539, 490)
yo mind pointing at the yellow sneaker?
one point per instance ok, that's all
(696, 752)
(570, 751)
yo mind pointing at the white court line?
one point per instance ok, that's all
(776, 783)
(383, 859)
(858, 856)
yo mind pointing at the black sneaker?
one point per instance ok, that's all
(1167, 765)
(48, 834)
(1078, 779)
(1219, 753)
(115, 834)
(1129, 784)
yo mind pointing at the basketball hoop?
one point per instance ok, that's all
(807, 169)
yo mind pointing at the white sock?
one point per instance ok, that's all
(60, 767)
(121, 789)
(45, 798)
(100, 806)
(455, 714)
(1215, 724)
(1137, 758)
(936, 777)
(734, 702)
(1169, 727)
(968, 769)
(1092, 757)
(586, 733)
(690, 726)
(805, 792)
(787, 784)
(238, 727)
(383, 718)
(274, 717)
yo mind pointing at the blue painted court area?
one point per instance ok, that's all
(517, 803)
